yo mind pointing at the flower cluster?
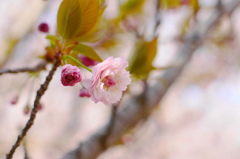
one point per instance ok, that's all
(109, 79)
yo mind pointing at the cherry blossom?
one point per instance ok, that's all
(108, 81)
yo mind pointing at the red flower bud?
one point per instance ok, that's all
(40, 107)
(26, 110)
(43, 27)
(70, 75)
(14, 100)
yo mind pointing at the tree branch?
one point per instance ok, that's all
(38, 67)
(135, 109)
(109, 127)
(30, 122)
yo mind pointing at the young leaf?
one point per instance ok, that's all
(52, 37)
(90, 13)
(97, 31)
(53, 40)
(87, 51)
(195, 6)
(141, 61)
(77, 18)
(130, 7)
(69, 19)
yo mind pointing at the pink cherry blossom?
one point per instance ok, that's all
(84, 93)
(108, 81)
(70, 75)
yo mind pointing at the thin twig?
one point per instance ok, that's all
(30, 122)
(38, 67)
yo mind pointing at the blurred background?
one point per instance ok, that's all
(197, 119)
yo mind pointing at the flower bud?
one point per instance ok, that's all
(43, 27)
(84, 93)
(14, 100)
(26, 110)
(40, 106)
(70, 75)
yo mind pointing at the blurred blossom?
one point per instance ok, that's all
(87, 61)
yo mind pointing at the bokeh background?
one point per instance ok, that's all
(197, 119)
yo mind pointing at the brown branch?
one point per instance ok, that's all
(134, 109)
(109, 127)
(38, 67)
(30, 122)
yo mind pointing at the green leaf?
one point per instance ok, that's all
(87, 51)
(52, 37)
(90, 10)
(195, 6)
(53, 40)
(77, 18)
(131, 7)
(96, 32)
(69, 19)
(141, 61)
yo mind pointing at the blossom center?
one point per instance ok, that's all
(109, 81)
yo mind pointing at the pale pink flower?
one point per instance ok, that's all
(70, 75)
(109, 80)
(84, 93)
